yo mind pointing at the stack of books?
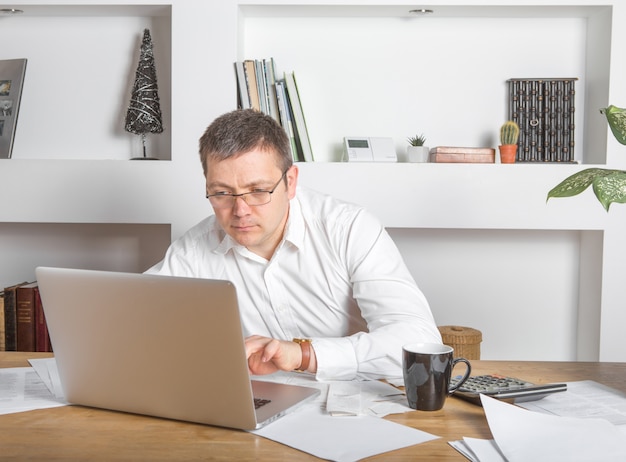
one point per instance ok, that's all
(23, 324)
(258, 87)
(544, 111)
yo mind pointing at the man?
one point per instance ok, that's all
(321, 286)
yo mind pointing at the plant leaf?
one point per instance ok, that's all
(610, 188)
(616, 117)
(578, 182)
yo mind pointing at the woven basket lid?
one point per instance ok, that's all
(460, 335)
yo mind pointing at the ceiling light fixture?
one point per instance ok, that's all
(421, 11)
(11, 11)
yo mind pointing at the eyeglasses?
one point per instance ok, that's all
(253, 198)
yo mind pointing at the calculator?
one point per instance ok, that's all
(504, 388)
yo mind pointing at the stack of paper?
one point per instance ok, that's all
(27, 388)
(523, 435)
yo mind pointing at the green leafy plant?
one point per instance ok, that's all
(608, 185)
(417, 140)
(509, 133)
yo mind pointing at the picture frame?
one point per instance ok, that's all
(12, 73)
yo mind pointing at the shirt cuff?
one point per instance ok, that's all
(336, 359)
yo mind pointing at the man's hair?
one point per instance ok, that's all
(241, 131)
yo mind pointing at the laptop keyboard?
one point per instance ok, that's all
(258, 402)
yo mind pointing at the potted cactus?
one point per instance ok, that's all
(509, 134)
(416, 151)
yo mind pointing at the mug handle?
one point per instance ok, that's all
(468, 371)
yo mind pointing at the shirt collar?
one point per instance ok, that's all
(294, 233)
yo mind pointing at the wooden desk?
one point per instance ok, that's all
(78, 433)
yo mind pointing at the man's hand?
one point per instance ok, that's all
(266, 355)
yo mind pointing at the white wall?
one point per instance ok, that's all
(459, 227)
(397, 77)
(66, 95)
(112, 247)
(519, 288)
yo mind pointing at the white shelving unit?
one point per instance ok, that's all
(364, 68)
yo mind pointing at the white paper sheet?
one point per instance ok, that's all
(21, 389)
(355, 431)
(342, 439)
(523, 435)
(47, 370)
(478, 450)
(344, 399)
(371, 397)
(584, 398)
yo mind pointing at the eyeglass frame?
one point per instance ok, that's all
(243, 195)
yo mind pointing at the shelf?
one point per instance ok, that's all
(459, 196)
(86, 191)
(79, 79)
(414, 75)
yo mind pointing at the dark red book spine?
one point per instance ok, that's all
(25, 310)
(10, 318)
(42, 337)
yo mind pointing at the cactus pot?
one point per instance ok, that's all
(508, 152)
(417, 153)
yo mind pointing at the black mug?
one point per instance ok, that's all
(427, 369)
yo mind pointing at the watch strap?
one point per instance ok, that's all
(305, 347)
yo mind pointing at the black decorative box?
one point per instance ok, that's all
(544, 111)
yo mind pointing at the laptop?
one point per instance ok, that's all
(162, 346)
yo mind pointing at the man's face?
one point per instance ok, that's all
(259, 228)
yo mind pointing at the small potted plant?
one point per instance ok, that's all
(416, 151)
(509, 134)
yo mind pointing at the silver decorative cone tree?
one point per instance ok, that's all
(144, 112)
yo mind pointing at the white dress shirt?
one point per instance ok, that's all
(336, 278)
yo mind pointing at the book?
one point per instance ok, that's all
(251, 81)
(270, 84)
(261, 85)
(25, 312)
(243, 98)
(286, 118)
(298, 113)
(2, 347)
(42, 336)
(10, 317)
